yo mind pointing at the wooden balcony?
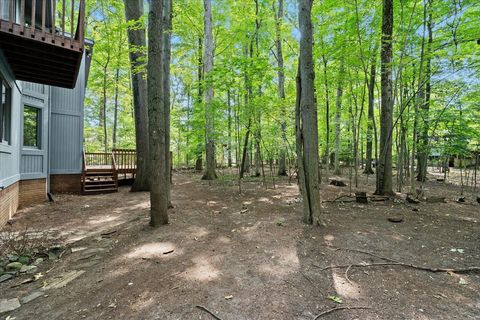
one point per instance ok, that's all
(43, 40)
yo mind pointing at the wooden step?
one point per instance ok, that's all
(99, 191)
(100, 186)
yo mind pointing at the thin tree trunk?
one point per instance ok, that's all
(338, 119)
(384, 169)
(371, 119)
(136, 40)
(115, 111)
(209, 173)
(229, 151)
(282, 164)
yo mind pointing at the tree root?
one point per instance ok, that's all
(407, 265)
(209, 312)
(337, 308)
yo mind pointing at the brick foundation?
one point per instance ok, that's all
(8, 202)
(32, 192)
(65, 183)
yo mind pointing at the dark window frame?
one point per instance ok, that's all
(5, 112)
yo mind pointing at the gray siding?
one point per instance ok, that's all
(66, 127)
(10, 153)
(33, 163)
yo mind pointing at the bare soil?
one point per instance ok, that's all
(249, 256)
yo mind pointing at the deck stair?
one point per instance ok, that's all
(99, 174)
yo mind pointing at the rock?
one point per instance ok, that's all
(395, 219)
(9, 305)
(24, 260)
(337, 183)
(14, 266)
(28, 269)
(5, 277)
(412, 200)
(12, 257)
(32, 296)
(63, 280)
(38, 262)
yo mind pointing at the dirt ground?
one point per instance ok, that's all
(249, 256)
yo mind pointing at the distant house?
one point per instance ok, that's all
(44, 62)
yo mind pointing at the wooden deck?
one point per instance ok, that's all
(43, 40)
(103, 171)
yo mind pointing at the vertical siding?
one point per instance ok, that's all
(66, 127)
(65, 149)
(32, 164)
(10, 153)
(34, 87)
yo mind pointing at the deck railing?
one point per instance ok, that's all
(126, 160)
(59, 22)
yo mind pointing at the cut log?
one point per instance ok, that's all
(337, 183)
(361, 197)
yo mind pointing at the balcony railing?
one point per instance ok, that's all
(43, 40)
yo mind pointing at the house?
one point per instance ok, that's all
(44, 63)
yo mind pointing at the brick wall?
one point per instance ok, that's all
(8, 202)
(32, 192)
(65, 183)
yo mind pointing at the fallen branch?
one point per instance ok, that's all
(361, 251)
(338, 308)
(436, 270)
(209, 312)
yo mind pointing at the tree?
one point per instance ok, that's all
(307, 127)
(137, 45)
(157, 115)
(384, 169)
(209, 173)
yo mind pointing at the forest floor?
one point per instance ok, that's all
(249, 256)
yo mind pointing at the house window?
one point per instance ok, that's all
(31, 127)
(5, 112)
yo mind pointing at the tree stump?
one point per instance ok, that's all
(361, 197)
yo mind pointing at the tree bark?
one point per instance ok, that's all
(425, 107)
(282, 163)
(309, 122)
(136, 41)
(384, 169)
(166, 56)
(371, 119)
(115, 111)
(156, 115)
(338, 117)
(209, 173)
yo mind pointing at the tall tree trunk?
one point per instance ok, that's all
(209, 173)
(309, 122)
(282, 163)
(371, 119)
(327, 114)
(103, 111)
(115, 111)
(425, 106)
(136, 40)
(384, 169)
(229, 145)
(166, 56)
(338, 119)
(199, 159)
(156, 116)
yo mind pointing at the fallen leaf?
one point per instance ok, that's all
(336, 299)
